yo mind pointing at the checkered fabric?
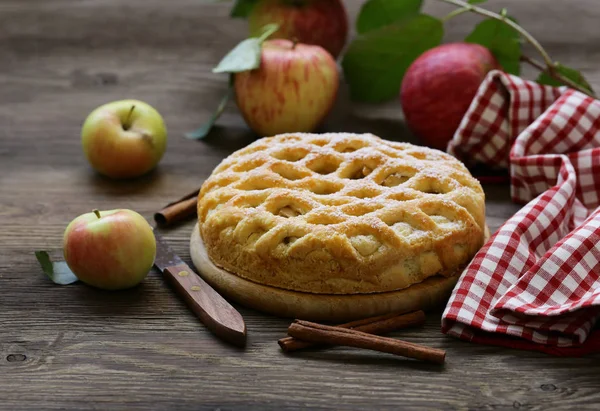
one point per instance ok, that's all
(536, 283)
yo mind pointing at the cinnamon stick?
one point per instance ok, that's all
(325, 334)
(382, 324)
(178, 210)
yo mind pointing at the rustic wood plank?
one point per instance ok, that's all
(78, 348)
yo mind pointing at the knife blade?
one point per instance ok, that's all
(213, 310)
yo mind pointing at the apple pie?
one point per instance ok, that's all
(340, 214)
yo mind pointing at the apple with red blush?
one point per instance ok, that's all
(438, 87)
(111, 250)
(124, 139)
(293, 90)
(320, 22)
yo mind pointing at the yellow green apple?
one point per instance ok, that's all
(112, 250)
(124, 139)
(293, 90)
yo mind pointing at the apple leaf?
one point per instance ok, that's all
(58, 271)
(242, 8)
(203, 131)
(379, 13)
(473, 2)
(375, 63)
(502, 40)
(568, 72)
(246, 55)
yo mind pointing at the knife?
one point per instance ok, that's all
(212, 309)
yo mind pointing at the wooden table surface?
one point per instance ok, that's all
(76, 347)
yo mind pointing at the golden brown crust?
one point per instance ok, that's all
(433, 292)
(340, 213)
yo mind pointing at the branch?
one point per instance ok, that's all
(509, 22)
(454, 13)
(550, 68)
(555, 75)
(534, 63)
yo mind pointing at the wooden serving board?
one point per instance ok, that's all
(318, 307)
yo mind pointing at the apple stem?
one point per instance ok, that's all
(97, 212)
(294, 43)
(127, 124)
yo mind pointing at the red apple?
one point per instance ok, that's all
(124, 139)
(111, 250)
(320, 22)
(439, 86)
(292, 91)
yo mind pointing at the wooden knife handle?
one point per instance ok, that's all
(212, 309)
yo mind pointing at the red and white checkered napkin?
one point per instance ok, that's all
(536, 283)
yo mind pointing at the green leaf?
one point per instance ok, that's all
(375, 63)
(375, 14)
(246, 55)
(242, 8)
(567, 72)
(58, 271)
(473, 2)
(502, 40)
(203, 131)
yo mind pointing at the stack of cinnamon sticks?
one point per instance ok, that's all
(178, 210)
(363, 334)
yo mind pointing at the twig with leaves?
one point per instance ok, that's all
(390, 38)
(553, 69)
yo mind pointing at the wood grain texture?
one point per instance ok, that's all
(75, 347)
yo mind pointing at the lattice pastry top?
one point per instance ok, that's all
(340, 213)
